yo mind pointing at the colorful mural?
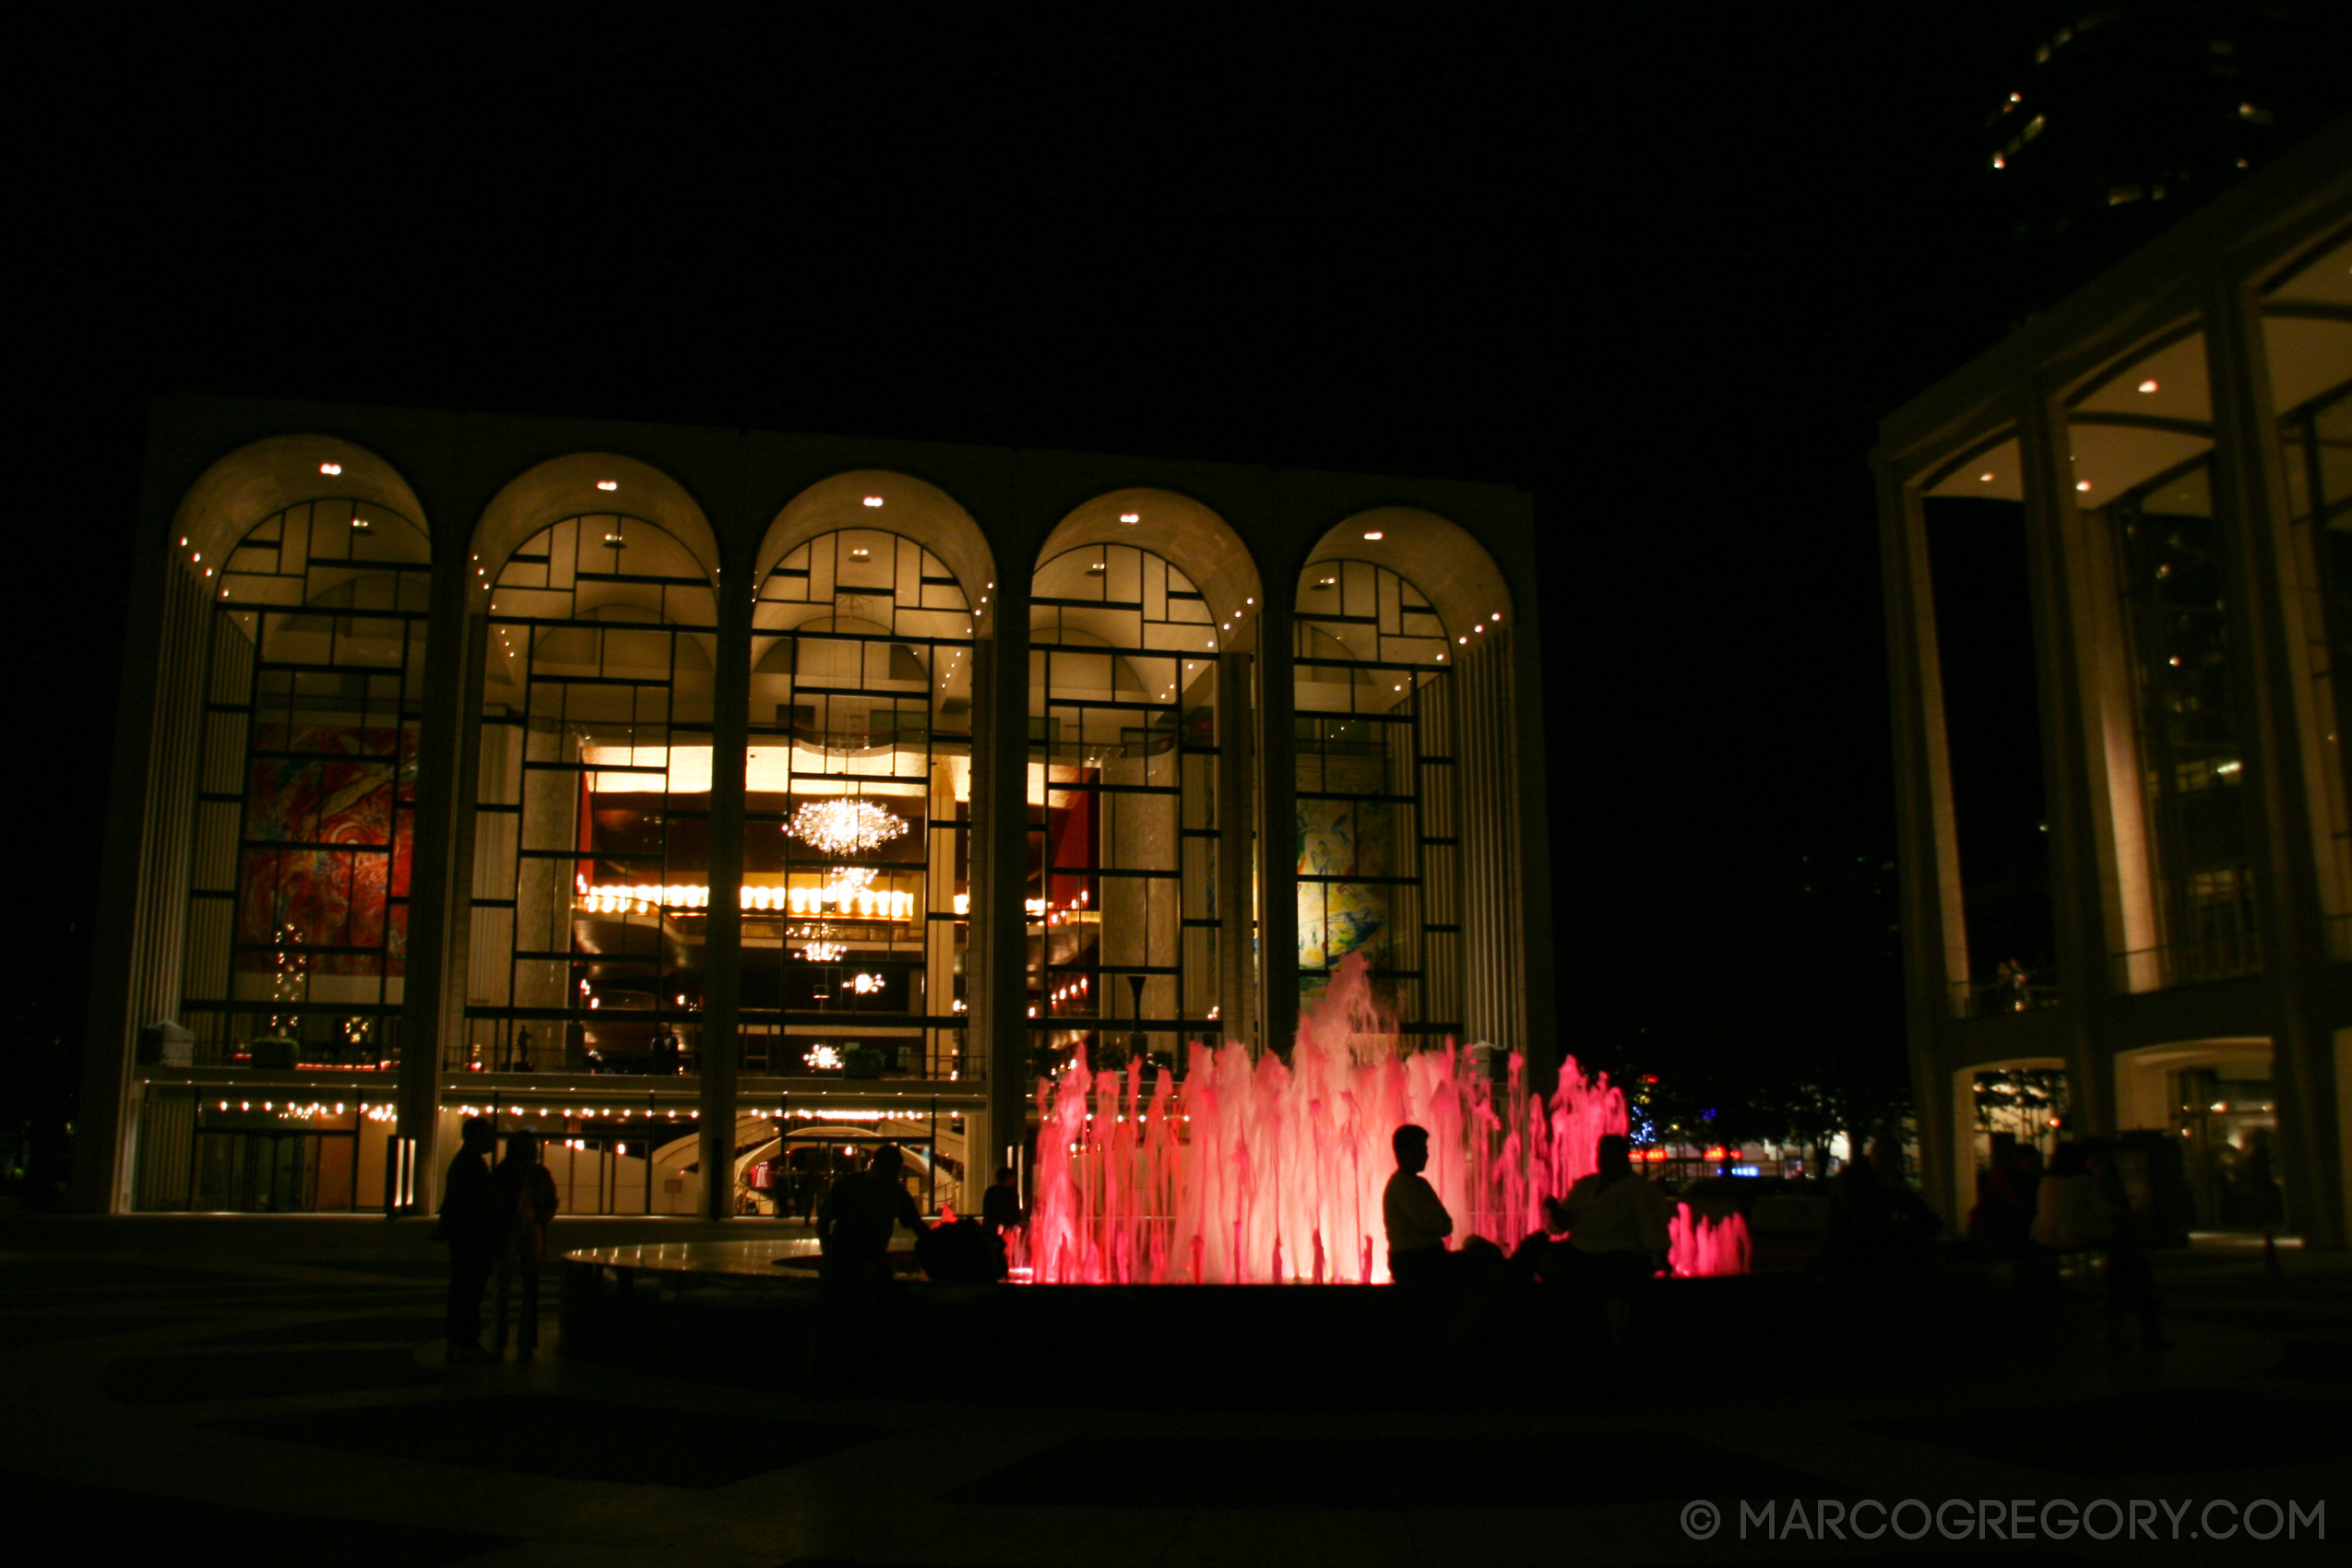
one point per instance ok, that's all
(1343, 838)
(327, 835)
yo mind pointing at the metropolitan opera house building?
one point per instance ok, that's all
(717, 803)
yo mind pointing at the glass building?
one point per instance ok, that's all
(719, 802)
(2173, 443)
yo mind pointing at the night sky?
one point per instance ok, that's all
(1662, 266)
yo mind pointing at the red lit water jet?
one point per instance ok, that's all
(1267, 1171)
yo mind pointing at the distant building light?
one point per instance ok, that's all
(1999, 161)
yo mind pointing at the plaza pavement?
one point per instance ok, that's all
(272, 1390)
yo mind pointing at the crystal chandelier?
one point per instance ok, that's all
(844, 827)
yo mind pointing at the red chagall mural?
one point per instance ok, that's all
(340, 797)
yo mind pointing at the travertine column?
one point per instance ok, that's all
(718, 1049)
(2262, 575)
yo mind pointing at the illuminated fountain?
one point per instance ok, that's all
(1270, 1172)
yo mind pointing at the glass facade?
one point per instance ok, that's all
(858, 812)
(1378, 846)
(2316, 441)
(2170, 546)
(946, 885)
(591, 833)
(305, 790)
(1122, 810)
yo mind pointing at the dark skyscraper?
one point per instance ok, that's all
(2114, 120)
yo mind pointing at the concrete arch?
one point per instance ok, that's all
(913, 508)
(2142, 1075)
(570, 487)
(1189, 537)
(264, 477)
(1434, 553)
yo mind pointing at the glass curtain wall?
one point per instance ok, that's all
(1378, 849)
(305, 790)
(592, 847)
(2317, 443)
(1122, 814)
(2169, 552)
(857, 846)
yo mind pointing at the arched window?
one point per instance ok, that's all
(1378, 845)
(592, 833)
(857, 817)
(305, 789)
(1121, 806)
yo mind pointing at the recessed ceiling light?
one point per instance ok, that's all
(2149, 384)
(1327, 582)
(1372, 533)
(1131, 517)
(330, 468)
(608, 485)
(860, 555)
(1496, 616)
(2082, 484)
(1986, 477)
(873, 500)
(1096, 567)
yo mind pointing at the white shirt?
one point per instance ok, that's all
(1627, 1215)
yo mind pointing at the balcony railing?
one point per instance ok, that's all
(2197, 962)
(2019, 992)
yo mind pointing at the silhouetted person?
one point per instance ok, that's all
(2260, 1207)
(1875, 1218)
(853, 1230)
(959, 1249)
(2131, 1278)
(2003, 1221)
(523, 1195)
(1413, 1214)
(2070, 1214)
(1616, 1223)
(1000, 1204)
(469, 1223)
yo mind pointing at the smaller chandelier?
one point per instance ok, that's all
(844, 827)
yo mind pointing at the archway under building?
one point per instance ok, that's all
(2213, 1099)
